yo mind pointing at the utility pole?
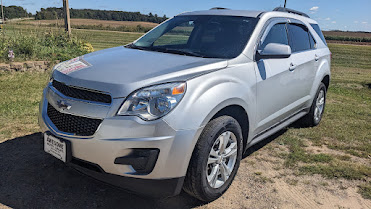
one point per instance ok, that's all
(2, 12)
(285, 4)
(67, 22)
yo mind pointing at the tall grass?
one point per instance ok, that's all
(46, 45)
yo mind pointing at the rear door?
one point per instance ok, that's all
(304, 62)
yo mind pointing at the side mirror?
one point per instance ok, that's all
(274, 51)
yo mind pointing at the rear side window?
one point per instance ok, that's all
(319, 32)
(299, 38)
(277, 34)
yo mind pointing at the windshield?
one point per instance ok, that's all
(206, 36)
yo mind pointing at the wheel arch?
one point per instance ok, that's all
(326, 81)
(239, 113)
(235, 108)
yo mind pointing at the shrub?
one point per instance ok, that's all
(43, 46)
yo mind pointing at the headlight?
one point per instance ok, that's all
(53, 69)
(153, 102)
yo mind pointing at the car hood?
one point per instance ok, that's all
(121, 70)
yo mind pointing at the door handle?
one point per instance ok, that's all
(316, 58)
(292, 67)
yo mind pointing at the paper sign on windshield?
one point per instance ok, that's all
(72, 65)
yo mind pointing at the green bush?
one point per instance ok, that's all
(42, 46)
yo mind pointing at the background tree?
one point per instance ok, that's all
(49, 13)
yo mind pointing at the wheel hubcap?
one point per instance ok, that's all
(222, 159)
(320, 103)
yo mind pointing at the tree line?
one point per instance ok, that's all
(57, 13)
(12, 12)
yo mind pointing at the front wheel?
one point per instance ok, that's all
(215, 160)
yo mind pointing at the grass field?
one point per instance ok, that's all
(340, 147)
(89, 22)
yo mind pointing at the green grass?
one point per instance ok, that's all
(297, 152)
(365, 190)
(349, 171)
(21, 94)
(345, 56)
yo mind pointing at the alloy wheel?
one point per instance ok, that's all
(222, 159)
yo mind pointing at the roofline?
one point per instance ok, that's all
(225, 12)
(243, 13)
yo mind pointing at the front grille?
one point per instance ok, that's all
(81, 93)
(77, 125)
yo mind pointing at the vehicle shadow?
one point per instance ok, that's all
(30, 178)
(264, 142)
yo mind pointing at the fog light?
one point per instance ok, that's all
(142, 160)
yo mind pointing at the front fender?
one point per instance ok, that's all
(208, 94)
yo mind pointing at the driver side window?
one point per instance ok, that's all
(277, 34)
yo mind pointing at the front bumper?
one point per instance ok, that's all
(119, 136)
(147, 187)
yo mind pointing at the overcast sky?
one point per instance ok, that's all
(331, 14)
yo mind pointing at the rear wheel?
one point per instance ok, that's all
(215, 160)
(313, 118)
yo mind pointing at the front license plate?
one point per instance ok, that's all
(55, 147)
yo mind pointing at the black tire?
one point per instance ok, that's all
(310, 120)
(196, 183)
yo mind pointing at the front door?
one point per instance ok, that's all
(274, 81)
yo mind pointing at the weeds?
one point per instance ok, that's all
(365, 190)
(338, 170)
(49, 45)
(297, 153)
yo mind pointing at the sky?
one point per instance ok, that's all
(353, 15)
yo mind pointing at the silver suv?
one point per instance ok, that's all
(178, 107)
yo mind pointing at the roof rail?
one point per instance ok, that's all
(218, 8)
(282, 9)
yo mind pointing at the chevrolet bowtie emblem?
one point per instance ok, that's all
(62, 104)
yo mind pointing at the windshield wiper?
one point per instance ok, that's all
(133, 46)
(177, 51)
(167, 50)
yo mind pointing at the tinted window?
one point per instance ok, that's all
(299, 39)
(277, 34)
(319, 32)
